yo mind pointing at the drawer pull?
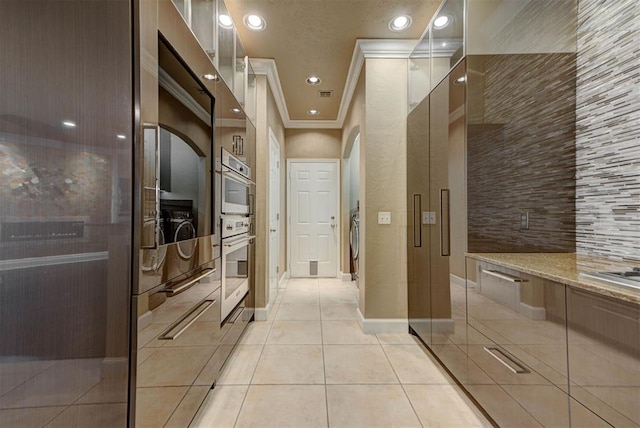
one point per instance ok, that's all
(504, 276)
(505, 358)
(189, 282)
(204, 305)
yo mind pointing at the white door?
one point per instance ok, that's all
(274, 216)
(313, 208)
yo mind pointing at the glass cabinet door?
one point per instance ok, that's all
(226, 41)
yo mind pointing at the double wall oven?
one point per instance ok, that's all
(236, 233)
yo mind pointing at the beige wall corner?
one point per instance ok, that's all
(384, 181)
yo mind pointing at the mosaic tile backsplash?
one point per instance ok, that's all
(521, 153)
(608, 129)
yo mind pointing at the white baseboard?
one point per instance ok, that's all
(382, 325)
(438, 325)
(145, 320)
(284, 278)
(532, 312)
(346, 277)
(455, 279)
(262, 314)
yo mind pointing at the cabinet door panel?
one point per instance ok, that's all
(604, 356)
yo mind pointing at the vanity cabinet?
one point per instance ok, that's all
(555, 354)
(517, 338)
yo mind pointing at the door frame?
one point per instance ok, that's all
(336, 162)
(273, 142)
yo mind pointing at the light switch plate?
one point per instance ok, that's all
(384, 217)
(428, 217)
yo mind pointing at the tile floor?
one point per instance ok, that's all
(310, 365)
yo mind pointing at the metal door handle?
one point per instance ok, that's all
(417, 221)
(502, 275)
(445, 223)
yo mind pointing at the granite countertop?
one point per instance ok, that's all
(567, 268)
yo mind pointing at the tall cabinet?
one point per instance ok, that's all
(490, 167)
(66, 156)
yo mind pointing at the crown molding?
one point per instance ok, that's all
(364, 48)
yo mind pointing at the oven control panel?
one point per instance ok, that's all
(232, 226)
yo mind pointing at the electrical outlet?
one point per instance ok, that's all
(524, 221)
(384, 217)
(428, 217)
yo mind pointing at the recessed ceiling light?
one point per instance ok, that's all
(69, 124)
(210, 77)
(313, 80)
(441, 22)
(313, 112)
(255, 22)
(225, 21)
(235, 110)
(400, 23)
(121, 137)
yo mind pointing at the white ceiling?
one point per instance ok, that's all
(318, 37)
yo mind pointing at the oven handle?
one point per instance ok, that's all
(226, 171)
(239, 243)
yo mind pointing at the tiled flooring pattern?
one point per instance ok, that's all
(310, 365)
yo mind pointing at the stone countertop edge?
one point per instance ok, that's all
(566, 269)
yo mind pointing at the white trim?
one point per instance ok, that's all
(346, 277)
(455, 279)
(145, 320)
(385, 326)
(282, 280)
(364, 48)
(262, 314)
(532, 312)
(34, 262)
(174, 88)
(336, 161)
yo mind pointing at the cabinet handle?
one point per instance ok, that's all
(445, 223)
(417, 221)
(505, 358)
(172, 291)
(504, 276)
(165, 334)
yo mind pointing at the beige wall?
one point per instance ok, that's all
(313, 143)
(354, 124)
(383, 174)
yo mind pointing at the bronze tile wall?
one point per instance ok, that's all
(521, 153)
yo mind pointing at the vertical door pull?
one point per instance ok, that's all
(445, 223)
(417, 220)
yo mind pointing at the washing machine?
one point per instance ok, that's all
(354, 243)
(178, 220)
